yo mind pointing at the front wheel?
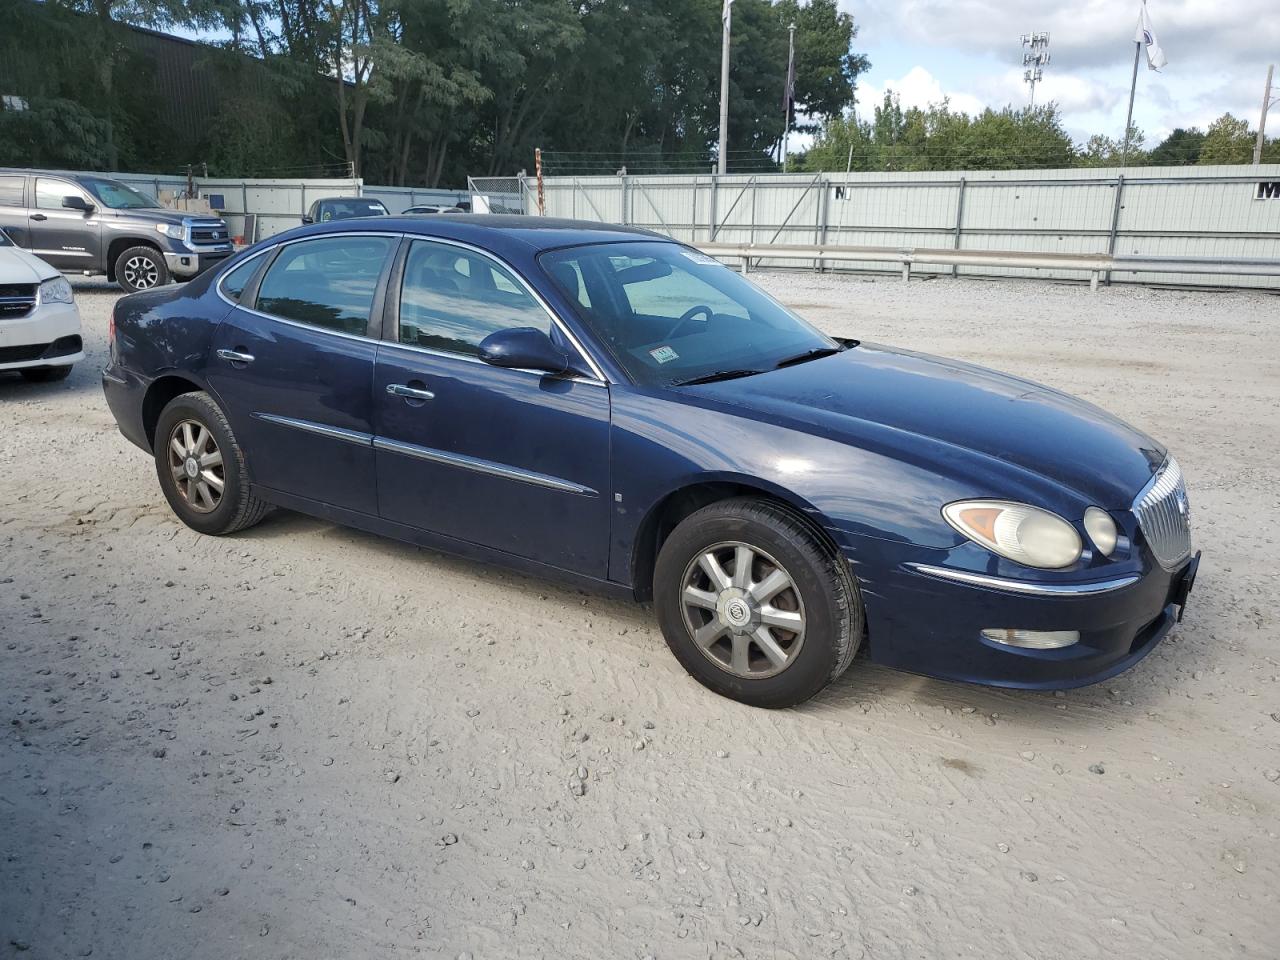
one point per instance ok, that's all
(202, 469)
(754, 605)
(141, 268)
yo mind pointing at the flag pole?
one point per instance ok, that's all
(1133, 87)
(726, 17)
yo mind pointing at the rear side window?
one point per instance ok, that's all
(11, 191)
(328, 283)
(233, 283)
(451, 299)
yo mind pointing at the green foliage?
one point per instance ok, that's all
(52, 133)
(1180, 147)
(1229, 140)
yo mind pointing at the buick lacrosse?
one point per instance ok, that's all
(615, 409)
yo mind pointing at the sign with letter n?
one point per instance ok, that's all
(1268, 190)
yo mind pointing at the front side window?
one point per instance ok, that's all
(670, 314)
(328, 282)
(4, 240)
(451, 299)
(49, 193)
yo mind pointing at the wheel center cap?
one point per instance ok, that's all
(737, 612)
(191, 467)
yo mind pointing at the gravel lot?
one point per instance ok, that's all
(304, 741)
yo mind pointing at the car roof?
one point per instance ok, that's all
(536, 233)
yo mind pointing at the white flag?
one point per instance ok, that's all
(1146, 35)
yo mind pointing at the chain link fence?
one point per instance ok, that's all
(502, 195)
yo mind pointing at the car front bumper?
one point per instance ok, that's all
(48, 337)
(185, 264)
(926, 622)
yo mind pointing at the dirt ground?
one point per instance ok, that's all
(307, 742)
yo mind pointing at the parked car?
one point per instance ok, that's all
(431, 208)
(39, 322)
(89, 224)
(344, 208)
(613, 408)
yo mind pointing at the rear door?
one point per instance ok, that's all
(510, 459)
(293, 366)
(68, 239)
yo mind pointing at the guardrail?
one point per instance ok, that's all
(1096, 265)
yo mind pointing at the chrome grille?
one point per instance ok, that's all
(1164, 514)
(17, 299)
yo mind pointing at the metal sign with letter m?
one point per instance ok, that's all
(1268, 190)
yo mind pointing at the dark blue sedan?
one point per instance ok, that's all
(612, 408)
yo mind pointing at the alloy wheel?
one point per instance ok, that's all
(743, 610)
(197, 466)
(141, 273)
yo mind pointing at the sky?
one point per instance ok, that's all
(969, 51)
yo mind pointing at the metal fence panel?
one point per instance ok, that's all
(1171, 212)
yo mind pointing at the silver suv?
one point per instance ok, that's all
(83, 223)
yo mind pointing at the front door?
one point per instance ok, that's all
(293, 367)
(509, 459)
(66, 238)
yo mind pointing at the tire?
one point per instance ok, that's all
(141, 268)
(215, 512)
(819, 591)
(45, 374)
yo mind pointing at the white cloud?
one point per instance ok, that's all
(918, 88)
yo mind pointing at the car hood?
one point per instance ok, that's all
(893, 400)
(18, 266)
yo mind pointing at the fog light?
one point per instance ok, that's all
(1034, 639)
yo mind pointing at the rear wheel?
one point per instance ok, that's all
(754, 605)
(141, 268)
(45, 374)
(202, 469)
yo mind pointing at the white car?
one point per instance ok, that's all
(39, 321)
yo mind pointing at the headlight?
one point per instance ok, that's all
(56, 290)
(1017, 531)
(175, 230)
(1101, 529)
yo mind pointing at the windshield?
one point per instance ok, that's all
(118, 196)
(355, 207)
(671, 315)
(4, 240)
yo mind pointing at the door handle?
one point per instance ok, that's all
(38, 216)
(234, 356)
(409, 393)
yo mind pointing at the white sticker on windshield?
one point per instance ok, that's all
(701, 258)
(664, 354)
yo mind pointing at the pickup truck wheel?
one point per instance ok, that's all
(141, 268)
(754, 605)
(202, 469)
(45, 374)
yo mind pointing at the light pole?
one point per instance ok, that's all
(788, 93)
(726, 17)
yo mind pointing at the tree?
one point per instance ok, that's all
(1183, 146)
(1228, 141)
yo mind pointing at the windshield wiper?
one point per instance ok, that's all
(806, 356)
(713, 377)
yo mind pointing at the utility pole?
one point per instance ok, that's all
(1035, 59)
(726, 16)
(788, 93)
(1262, 121)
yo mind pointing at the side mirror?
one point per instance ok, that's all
(528, 348)
(307, 218)
(77, 203)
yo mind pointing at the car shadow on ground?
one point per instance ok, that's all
(866, 686)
